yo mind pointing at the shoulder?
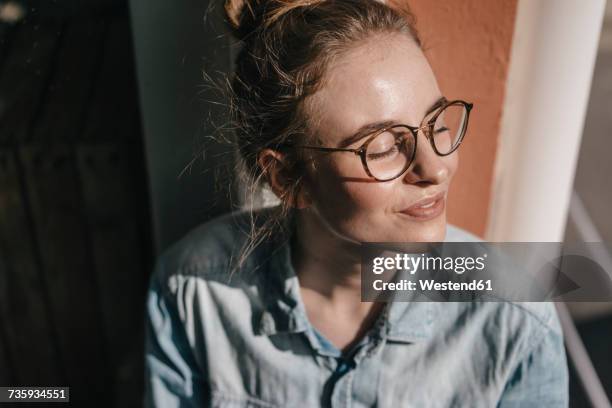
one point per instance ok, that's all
(531, 321)
(210, 251)
(534, 319)
(541, 317)
(528, 320)
(211, 243)
(505, 334)
(502, 335)
(544, 315)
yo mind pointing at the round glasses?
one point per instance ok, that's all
(388, 152)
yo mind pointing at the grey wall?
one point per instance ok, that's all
(174, 41)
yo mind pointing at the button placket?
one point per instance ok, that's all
(341, 394)
(327, 362)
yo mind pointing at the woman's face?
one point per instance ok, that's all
(385, 79)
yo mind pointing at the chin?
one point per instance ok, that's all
(427, 231)
(392, 229)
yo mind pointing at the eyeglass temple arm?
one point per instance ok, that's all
(441, 103)
(328, 149)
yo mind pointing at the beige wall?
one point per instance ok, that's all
(468, 44)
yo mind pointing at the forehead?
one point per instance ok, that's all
(385, 78)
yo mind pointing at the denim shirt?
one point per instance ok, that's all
(245, 341)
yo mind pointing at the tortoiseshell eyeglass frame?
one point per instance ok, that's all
(438, 108)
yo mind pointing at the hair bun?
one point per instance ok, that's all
(243, 15)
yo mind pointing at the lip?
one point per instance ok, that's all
(435, 206)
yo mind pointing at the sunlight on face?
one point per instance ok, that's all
(387, 78)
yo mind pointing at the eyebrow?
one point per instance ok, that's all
(370, 128)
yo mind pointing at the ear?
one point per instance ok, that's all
(282, 180)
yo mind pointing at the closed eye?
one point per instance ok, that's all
(376, 156)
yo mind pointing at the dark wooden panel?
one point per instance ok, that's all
(70, 9)
(67, 96)
(54, 190)
(5, 31)
(5, 367)
(24, 76)
(111, 206)
(111, 161)
(72, 285)
(111, 117)
(23, 299)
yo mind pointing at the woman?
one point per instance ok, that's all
(338, 112)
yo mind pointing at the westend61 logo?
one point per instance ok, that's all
(486, 271)
(412, 263)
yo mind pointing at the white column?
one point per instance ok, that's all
(553, 55)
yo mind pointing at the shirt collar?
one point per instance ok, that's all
(284, 310)
(279, 288)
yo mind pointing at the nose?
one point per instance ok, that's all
(428, 167)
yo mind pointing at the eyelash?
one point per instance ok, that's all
(382, 155)
(440, 130)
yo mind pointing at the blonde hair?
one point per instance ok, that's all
(286, 47)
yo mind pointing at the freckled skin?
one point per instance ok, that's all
(386, 77)
(367, 84)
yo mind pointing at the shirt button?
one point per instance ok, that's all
(343, 367)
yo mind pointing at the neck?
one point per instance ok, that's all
(329, 270)
(323, 261)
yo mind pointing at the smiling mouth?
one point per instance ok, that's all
(426, 209)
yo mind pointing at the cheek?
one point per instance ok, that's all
(338, 195)
(355, 210)
(358, 208)
(369, 197)
(452, 163)
(347, 202)
(344, 185)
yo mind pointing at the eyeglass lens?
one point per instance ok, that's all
(449, 127)
(390, 153)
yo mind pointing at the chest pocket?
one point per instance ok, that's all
(220, 400)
